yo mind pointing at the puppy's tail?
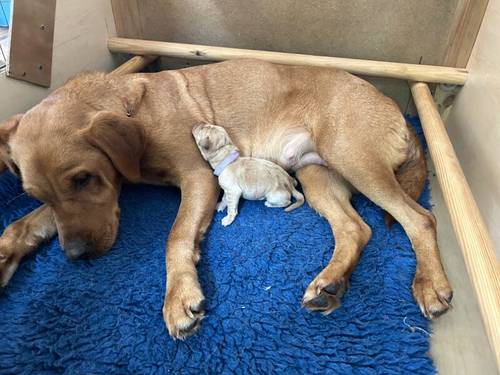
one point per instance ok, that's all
(299, 198)
(412, 174)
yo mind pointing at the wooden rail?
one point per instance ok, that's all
(424, 73)
(473, 238)
(134, 65)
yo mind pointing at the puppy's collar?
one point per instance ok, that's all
(225, 162)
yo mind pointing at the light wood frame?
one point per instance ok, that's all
(470, 229)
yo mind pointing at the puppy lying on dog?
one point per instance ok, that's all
(252, 178)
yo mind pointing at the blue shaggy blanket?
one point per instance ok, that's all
(104, 316)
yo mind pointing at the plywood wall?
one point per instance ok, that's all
(391, 30)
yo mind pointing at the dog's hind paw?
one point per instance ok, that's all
(432, 294)
(9, 261)
(324, 294)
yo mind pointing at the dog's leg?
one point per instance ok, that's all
(232, 200)
(221, 206)
(23, 237)
(430, 285)
(328, 194)
(183, 306)
(373, 175)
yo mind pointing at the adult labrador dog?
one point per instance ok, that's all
(75, 149)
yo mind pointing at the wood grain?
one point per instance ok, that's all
(127, 18)
(470, 229)
(426, 73)
(463, 34)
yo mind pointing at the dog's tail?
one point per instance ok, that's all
(299, 198)
(412, 174)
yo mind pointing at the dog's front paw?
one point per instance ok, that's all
(221, 206)
(9, 261)
(184, 307)
(227, 220)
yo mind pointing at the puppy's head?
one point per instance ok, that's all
(73, 155)
(210, 139)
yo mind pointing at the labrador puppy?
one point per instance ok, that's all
(247, 177)
(77, 147)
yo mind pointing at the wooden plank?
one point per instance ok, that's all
(127, 18)
(470, 229)
(134, 65)
(426, 73)
(32, 37)
(463, 34)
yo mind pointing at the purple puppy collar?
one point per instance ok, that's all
(225, 162)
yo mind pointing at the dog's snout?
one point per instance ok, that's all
(77, 249)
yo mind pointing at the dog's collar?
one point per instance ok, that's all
(225, 162)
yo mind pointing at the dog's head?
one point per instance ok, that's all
(72, 152)
(210, 139)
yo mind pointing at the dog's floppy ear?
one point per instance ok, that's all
(121, 138)
(7, 128)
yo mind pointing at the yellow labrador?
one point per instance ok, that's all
(75, 149)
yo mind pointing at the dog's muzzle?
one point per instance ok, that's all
(78, 249)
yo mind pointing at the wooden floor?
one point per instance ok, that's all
(459, 344)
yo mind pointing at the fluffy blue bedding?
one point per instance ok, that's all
(104, 316)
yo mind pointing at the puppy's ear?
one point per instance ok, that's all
(7, 129)
(121, 138)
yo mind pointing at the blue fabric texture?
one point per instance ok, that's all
(104, 316)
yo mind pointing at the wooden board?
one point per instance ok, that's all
(463, 34)
(127, 18)
(32, 36)
(134, 65)
(426, 73)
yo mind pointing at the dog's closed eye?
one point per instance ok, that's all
(81, 180)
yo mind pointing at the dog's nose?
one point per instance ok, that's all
(76, 249)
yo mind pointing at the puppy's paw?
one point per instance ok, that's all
(183, 308)
(221, 206)
(227, 220)
(432, 294)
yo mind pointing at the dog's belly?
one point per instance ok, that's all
(291, 149)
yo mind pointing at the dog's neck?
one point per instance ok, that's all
(218, 156)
